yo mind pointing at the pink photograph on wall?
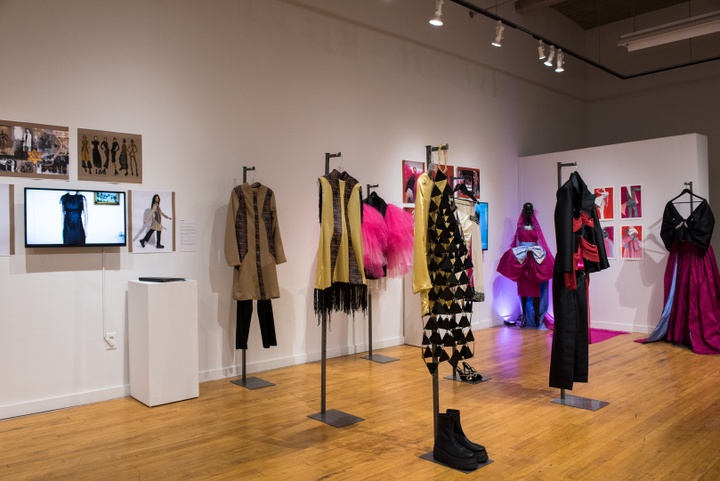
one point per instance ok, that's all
(632, 242)
(411, 170)
(604, 202)
(608, 233)
(631, 201)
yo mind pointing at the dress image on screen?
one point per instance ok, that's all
(74, 218)
(56, 218)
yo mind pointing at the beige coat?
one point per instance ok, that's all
(155, 214)
(253, 245)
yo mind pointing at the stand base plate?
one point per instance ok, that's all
(453, 378)
(429, 457)
(335, 418)
(252, 383)
(581, 402)
(379, 358)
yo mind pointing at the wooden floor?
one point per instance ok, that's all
(663, 422)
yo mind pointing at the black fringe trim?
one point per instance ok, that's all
(341, 296)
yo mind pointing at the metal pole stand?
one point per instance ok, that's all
(244, 381)
(435, 376)
(568, 399)
(250, 382)
(379, 358)
(333, 417)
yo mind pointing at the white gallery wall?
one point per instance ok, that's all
(214, 86)
(629, 295)
(675, 103)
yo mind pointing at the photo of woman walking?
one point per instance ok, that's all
(151, 233)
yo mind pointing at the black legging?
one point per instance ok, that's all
(267, 323)
(157, 237)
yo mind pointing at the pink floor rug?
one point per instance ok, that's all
(596, 335)
(600, 335)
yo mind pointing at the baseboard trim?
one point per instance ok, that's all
(63, 402)
(267, 365)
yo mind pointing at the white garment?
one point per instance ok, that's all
(473, 241)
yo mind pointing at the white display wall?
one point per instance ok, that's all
(214, 86)
(629, 295)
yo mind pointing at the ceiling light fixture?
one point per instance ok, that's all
(560, 61)
(437, 19)
(550, 57)
(499, 29)
(541, 50)
(672, 32)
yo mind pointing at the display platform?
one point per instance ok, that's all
(163, 341)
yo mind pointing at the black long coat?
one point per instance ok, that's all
(569, 357)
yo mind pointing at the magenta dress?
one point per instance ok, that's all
(528, 263)
(691, 313)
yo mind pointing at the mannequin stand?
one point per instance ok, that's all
(333, 417)
(244, 381)
(569, 399)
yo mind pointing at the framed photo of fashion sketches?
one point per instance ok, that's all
(152, 224)
(605, 202)
(631, 201)
(471, 178)
(411, 170)
(632, 242)
(34, 150)
(109, 156)
(7, 224)
(608, 233)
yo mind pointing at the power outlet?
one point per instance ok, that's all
(110, 341)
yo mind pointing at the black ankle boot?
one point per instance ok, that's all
(447, 449)
(478, 449)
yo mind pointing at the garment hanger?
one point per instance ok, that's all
(686, 191)
(463, 188)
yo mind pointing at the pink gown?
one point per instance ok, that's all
(528, 263)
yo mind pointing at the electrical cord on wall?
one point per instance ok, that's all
(110, 341)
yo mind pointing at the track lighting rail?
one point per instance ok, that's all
(474, 8)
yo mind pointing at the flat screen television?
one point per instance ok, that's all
(68, 217)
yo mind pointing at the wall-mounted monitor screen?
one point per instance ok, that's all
(59, 218)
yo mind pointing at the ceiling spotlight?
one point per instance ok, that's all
(437, 20)
(499, 29)
(541, 50)
(560, 61)
(551, 56)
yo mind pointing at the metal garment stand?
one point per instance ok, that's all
(435, 376)
(370, 357)
(690, 188)
(333, 417)
(244, 381)
(429, 149)
(569, 399)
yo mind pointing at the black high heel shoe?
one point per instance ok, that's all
(467, 373)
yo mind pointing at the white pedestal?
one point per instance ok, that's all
(163, 341)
